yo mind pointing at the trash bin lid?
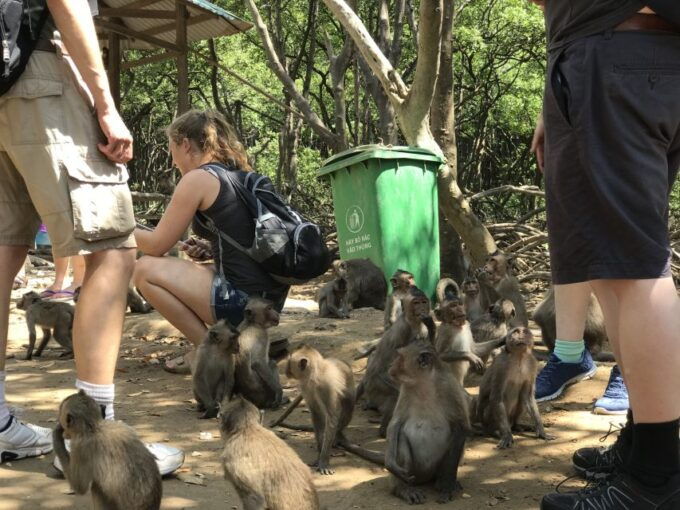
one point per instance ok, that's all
(363, 152)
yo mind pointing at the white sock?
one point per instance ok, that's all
(4, 410)
(101, 393)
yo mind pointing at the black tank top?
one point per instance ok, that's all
(232, 217)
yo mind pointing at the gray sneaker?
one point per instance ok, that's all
(22, 440)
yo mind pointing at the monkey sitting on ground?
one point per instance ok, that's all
(472, 299)
(332, 299)
(493, 324)
(594, 334)
(106, 457)
(447, 289)
(455, 336)
(214, 366)
(427, 432)
(415, 323)
(53, 317)
(265, 471)
(508, 388)
(401, 282)
(257, 377)
(366, 285)
(496, 281)
(327, 385)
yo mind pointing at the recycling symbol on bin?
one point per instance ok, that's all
(354, 219)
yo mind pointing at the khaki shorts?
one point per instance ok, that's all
(51, 169)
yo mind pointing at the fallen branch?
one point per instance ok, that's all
(527, 190)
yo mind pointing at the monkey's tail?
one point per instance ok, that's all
(447, 289)
(369, 455)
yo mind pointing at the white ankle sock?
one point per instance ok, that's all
(4, 410)
(101, 393)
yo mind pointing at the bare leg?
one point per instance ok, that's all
(11, 259)
(645, 315)
(179, 290)
(571, 306)
(60, 270)
(98, 322)
(78, 266)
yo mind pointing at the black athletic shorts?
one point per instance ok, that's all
(612, 151)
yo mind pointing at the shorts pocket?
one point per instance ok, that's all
(100, 199)
(35, 107)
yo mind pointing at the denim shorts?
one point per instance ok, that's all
(228, 303)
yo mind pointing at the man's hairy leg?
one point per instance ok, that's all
(11, 260)
(100, 312)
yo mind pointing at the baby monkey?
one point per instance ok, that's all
(401, 282)
(53, 317)
(106, 457)
(265, 471)
(332, 299)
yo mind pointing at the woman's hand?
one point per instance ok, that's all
(197, 249)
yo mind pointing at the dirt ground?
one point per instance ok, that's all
(160, 407)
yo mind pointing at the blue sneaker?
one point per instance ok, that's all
(557, 375)
(615, 398)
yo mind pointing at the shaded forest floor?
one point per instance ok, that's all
(160, 407)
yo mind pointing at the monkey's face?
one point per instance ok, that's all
(340, 268)
(418, 306)
(262, 312)
(496, 267)
(519, 340)
(452, 312)
(412, 362)
(471, 288)
(27, 300)
(402, 281)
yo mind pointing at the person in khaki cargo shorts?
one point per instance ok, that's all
(63, 146)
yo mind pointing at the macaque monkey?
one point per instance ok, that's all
(427, 432)
(327, 385)
(105, 457)
(332, 299)
(497, 282)
(257, 377)
(214, 366)
(53, 317)
(366, 285)
(401, 282)
(447, 289)
(494, 324)
(264, 470)
(472, 299)
(508, 388)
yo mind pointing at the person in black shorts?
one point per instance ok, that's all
(192, 295)
(612, 150)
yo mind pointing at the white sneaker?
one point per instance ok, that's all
(168, 458)
(21, 440)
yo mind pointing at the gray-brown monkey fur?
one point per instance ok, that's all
(426, 435)
(332, 299)
(366, 285)
(472, 298)
(508, 389)
(264, 470)
(53, 317)
(454, 337)
(327, 385)
(496, 282)
(214, 366)
(415, 323)
(257, 377)
(106, 457)
(447, 289)
(594, 334)
(494, 324)
(401, 282)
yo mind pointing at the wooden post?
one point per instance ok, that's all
(114, 67)
(182, 60)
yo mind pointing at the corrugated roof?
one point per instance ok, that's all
(206, 20)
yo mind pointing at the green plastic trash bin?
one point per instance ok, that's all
(385, 201)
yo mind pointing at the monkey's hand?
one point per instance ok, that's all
(505, 442)
(544, 435)
(476, 362)
(58, 442)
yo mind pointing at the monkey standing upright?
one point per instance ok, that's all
(414, 323)
(265, 471)
(327, 385)
(105, 457)
(496, 281)
(427, 432)
(53, 317)
(508, 388)
(214, 366)
(472, 298)
(257, 377)
(332, 299)
(401, 282)
(366, 285)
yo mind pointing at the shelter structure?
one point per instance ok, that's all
(165, 25)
